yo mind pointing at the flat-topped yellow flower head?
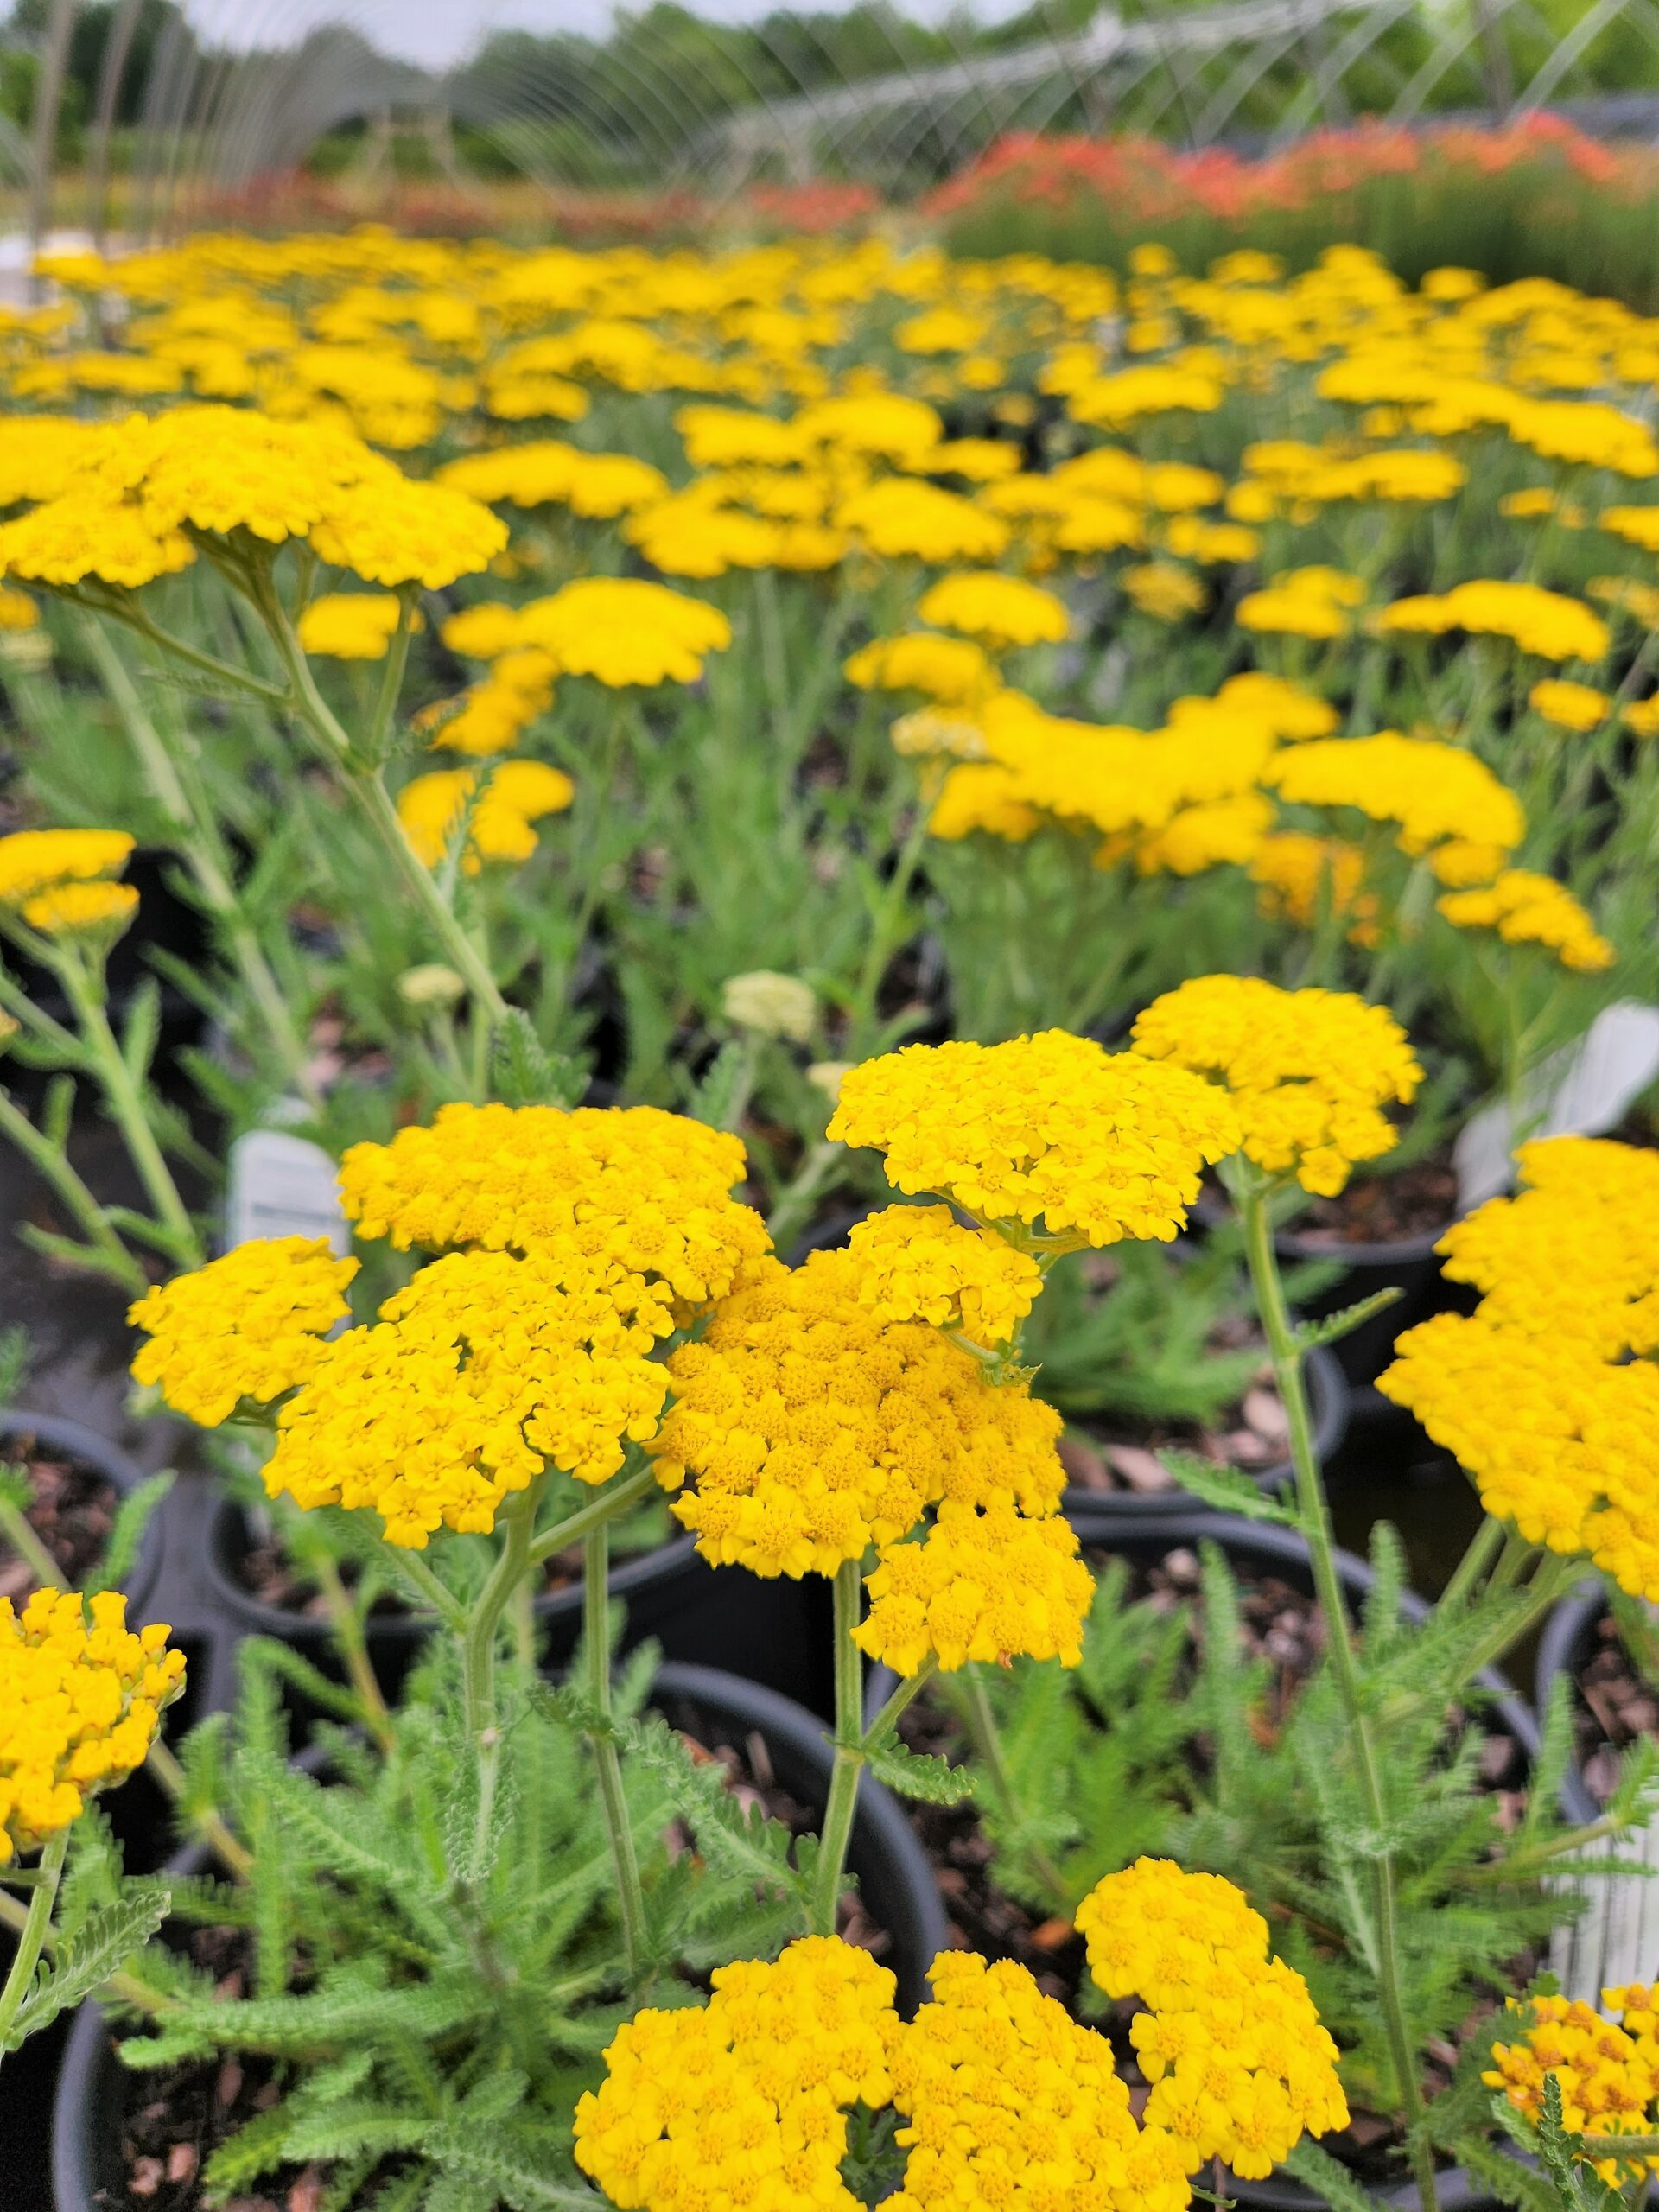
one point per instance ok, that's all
(251, 1325)
(745, 2100)
(1310, 1073)
(622, 630)
(32, 861)
(488, 1368)
(1008, 2100)
(1240, 2066)
(633, 1199)
(81, 1700)
(1048, 1129)
(810, 1429)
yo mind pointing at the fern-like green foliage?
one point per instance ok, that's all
(1132, 1333)
(431, 1992)
(1170, 1739)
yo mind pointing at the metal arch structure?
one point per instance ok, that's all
(1191, 73)
(680, 115)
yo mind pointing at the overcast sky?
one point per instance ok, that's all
(438, 32)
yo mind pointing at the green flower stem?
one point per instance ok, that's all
(360, 768)
(125, 610)
(31, 1941)
(615, 1499)
(16, 1528)
(882, 1727)
(368, 789)
(208, 1824)
(1483, 1548)
(126, 1987)
(1314, 1515)
(442, 1600)
(478, 1651)
(601, 1740)
(850, 1753)
(391, 678)
(1548, 1588)
(795, 1201)
(987, 1739)
(348, 1626)
(85, 984)
(178, 793)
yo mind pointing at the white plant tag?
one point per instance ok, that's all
(1616, 1939)
(1584, 1091)
(283, 1185)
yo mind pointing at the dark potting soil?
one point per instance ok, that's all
(1114, 1451)
(1612, 1706)
(177, 2117)
(1385, 1208)
(73, 1511)
(1280, 1625)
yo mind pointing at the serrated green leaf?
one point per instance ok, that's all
(457, 2148)
(1329, 2179)
(132, 1517)
(920, 1774)
(141, 1031)
(85, 1962)
(255, 2149)
(1343, 1323)
(524, 1073)
(1228, 1488)
(718, 1098)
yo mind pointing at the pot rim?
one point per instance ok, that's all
(666, 1562)
(60, 1432)
(1331, 1395)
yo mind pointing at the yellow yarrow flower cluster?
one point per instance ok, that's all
(1052, 1128)
(1240, 2066)
(82, 1697)
(624, 631)
(1547, 1394)
(955, 671)
(918, 1263)
(1547, 624)
(487, 1368)
(1527, 908)
(1309, 1073)
(1000, 610)
(1577, 706)
(1608, 2072)
(350, 625)
(987, 1584)
(813, 1429)
(501, 823)
(1012, 2106)
(250, 1325)
(32, 861)
(99, 910)
(130, 498)
(744, 2100)
(634, 1200)
(1437, 793)
(1305, 879)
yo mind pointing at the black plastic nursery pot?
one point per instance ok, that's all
(775, 1632)
(1260, 1546)
(71, 1441)
(895, 1883)
(1565, 1648)
(1331, 1404)
(1408, 1264)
